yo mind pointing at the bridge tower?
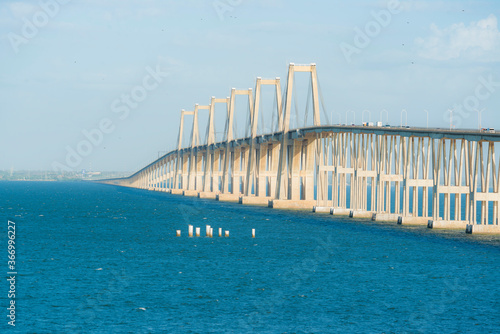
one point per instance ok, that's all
(213, 153)
(261, 153)
(235, 154)
(296, 161)
(181, 167)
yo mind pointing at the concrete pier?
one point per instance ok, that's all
(207, 195)
(360, 214)
(177, 192)
(424, 221)
(483, 229)
(447, 224)
(385, 217)
(252, 200)
(292, 205)
(340, 212)
(321, 209)
(228, 198)
(190, 193)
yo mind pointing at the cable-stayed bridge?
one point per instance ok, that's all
(434, 177)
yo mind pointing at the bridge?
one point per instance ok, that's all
(433, 177)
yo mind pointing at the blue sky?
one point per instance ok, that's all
(67, 67)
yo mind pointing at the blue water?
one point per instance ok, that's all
(103, 259)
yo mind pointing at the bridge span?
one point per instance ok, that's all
(434, 177)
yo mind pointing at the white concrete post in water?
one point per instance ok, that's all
(190, 230)
(207, 230)
(227, 234)
(211, 232)
(197, 231)
(253, 233)
(220, 232)
(178, 233)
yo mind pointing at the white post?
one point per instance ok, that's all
(178, 233)
(190, 230)
(227, 234)
(479, 118)
(220, 232)
(253, 233)
(406, 115)
(197, 231)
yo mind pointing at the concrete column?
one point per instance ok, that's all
(436, 157)
(274, 156)
(191, 171)
(261, 178)
(381, 140)
(242, 169)
(199, 171)
(165, 174)
(236, 173)
(185, 172)
(152, 180)
(295, 170)
(309, 166)
(228, 163)
(170, 172)
(208, 170)
(215, 182)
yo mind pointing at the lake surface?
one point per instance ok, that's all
(103, 259)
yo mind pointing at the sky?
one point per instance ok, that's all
(100, 85)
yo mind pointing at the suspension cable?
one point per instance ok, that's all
(247, 121)
(296, 102)
(206, 132)
(283, 106)
(323, 106)
(274, 115)
(309, 93)
(191, 136)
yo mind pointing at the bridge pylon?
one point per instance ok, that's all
(300, 152)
